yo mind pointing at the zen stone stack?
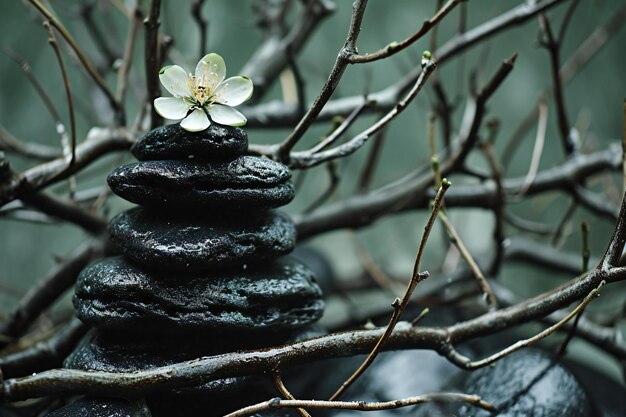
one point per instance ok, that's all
(203, 267)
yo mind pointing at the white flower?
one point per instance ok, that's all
(205, 92)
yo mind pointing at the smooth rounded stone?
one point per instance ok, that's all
(94, 407)
(174, 142)
(116, 294)
(195, 243)
(529, 382)
(246, 182)
(114, 352)
(119, 355)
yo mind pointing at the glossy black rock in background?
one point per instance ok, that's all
(174, 142)
(529, 382)
(246, 182)
(187, 243)
(116, 294)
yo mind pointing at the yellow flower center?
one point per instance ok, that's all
(203, 89)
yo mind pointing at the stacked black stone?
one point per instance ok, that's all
(203, 267)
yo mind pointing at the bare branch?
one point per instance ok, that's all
(395, 47)
(342, 61)
(309, 158)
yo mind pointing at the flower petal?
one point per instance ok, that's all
(171, 107)
(234, 91)
(174, 79)
(196, 121)
(225, 115)
(210, 71)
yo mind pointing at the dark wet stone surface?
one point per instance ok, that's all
(117, 294)
(118, 352)
(246, 182)
(190, 243)
(608, 396)
(527, 383)
(94, 407)
(120, 355)
(174, 142)
(114, 352)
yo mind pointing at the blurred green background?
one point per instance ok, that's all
(594, 103)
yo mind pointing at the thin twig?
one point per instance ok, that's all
(298, 81)
(566, 20)
(282, 389)
(196, 12)
(334, 179)
(379, 276)
(153, 59)
(127, 59)
(554, 49)
(362, 405)
(399, 305)
(538, 147)
(476, 271)
(500, 203)
(340, 130)
(367, 174)
(395, 47)
(66, 83)
(466, 363)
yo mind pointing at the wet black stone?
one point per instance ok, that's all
(115, 352)
(94, 407)
(122, 355)
(527, 383)
(246, 182)
(116, 294)
(174, 142)
(189, 243)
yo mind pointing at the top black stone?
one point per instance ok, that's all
(174, 142)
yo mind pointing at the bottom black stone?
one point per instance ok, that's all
(94, 407)
(120, 353)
